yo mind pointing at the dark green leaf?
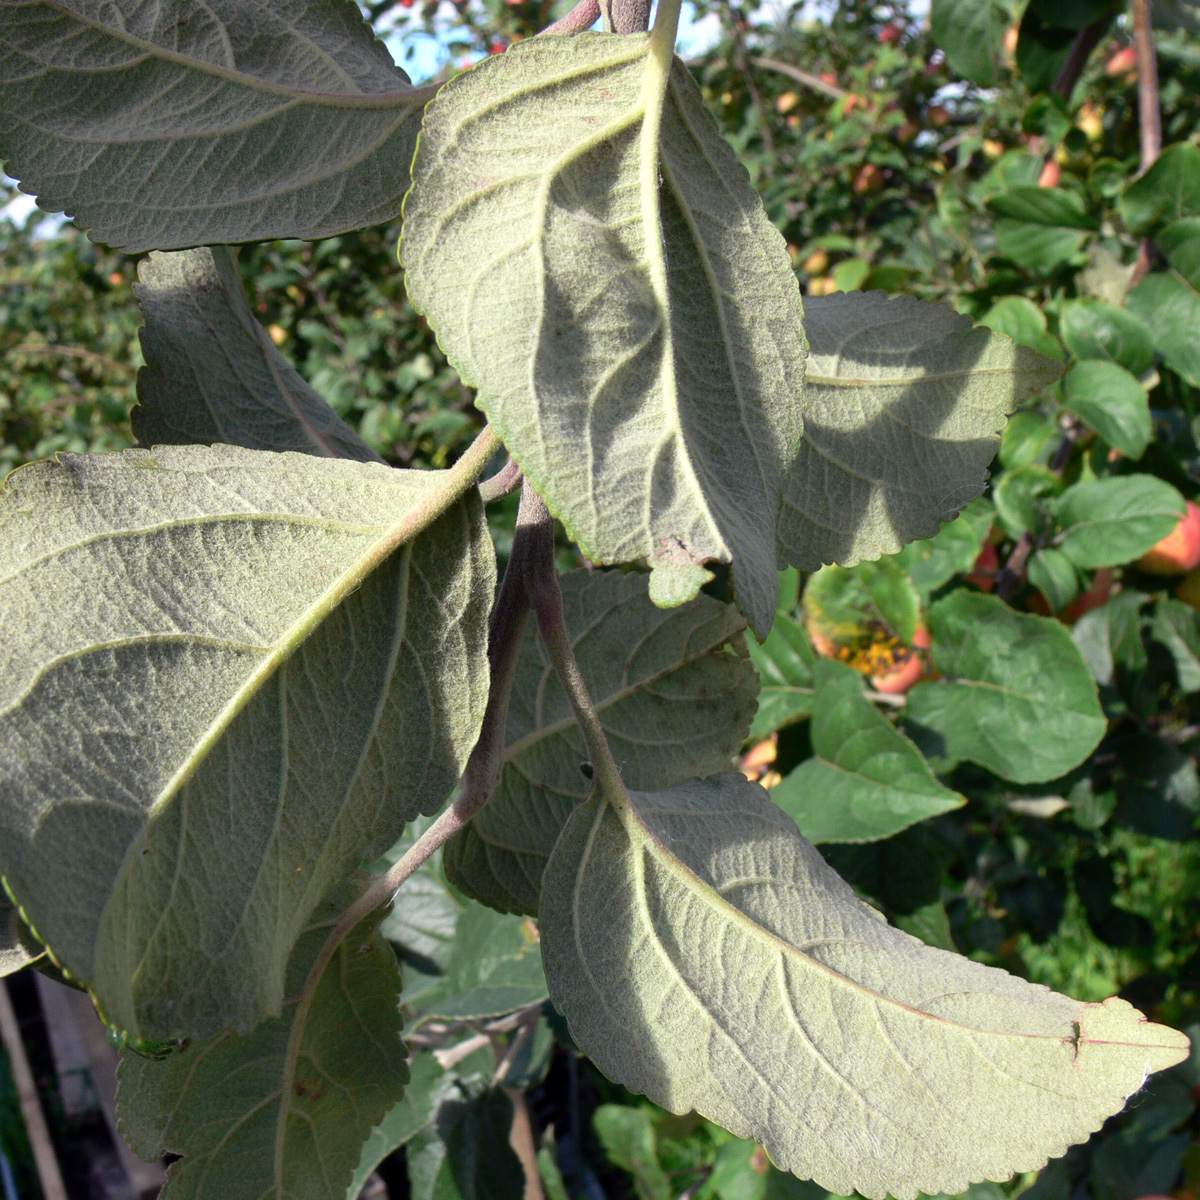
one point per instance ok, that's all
(865, 780)
(1106, 522)
(971, 34)
(1158, 792)
(1025, 499)
(952, 551)
(1018, 697)
(1049, 206)
(1180, 242)
(1169, 190)
(627, 1135)
(1051, 572)
(1170, 306)
(1095, 329)
(1177, 626)
(785, 663)
(1112, 402)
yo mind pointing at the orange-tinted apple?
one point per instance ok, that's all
(1051, 175)
(1094, 597)
(1010, 38)
(817, 263)
(868, 180)
(895, 681)
(983, 574)
(1124, 62)
(1179, 551)
(785, 102)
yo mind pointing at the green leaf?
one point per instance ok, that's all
(1106, 522)
(1051, 572)
(466, 1155)
(1158, 791)
(1042, 49)
(1170, 306)
(213, 375)
(1094, 329)
(1048, 206)
(1180, 242)
(971, 34)
(1017, 696)
(673, 702)
(636, 344)
(951, 551)
(229, 125)
(1169, 190)
(494, 968)
(427, 1086)
(627, 1135)
(905, 404)
(256, 1119)
(1110, 639)
(865, 780)
(1112, 402)
(257, 668)
(1023, 321)
(705, 955)
(1177, 626)
(1039, 249)
(18, 947)
(1024, 499)
(785, 664)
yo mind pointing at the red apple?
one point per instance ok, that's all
(891, 34)
(1179, 551)
(1094, 597)
(987, 565)
(868, 180)
(1124, 62)
(1051, 175)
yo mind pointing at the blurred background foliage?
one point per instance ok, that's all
(987, 154)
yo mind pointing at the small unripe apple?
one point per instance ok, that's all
(785, 102)
(1011, 34)
(1124, 62)
(817, 263)
(868, 180)
(1051, 175)
(822, 285)
(1091, 121)
(992, 149)
(1179, 551)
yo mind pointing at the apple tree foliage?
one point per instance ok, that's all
(256, 678)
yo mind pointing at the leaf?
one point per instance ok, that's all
(1177, 626)
(628, 1138)
(256, 670)
(1049, 206)
(865, 780)
(1018, 697)
(1169, 190)
(951, 551)
(494, 968)
(705, 956)
(254, 1121)
(1020, 319)
(1106, 522)
(233, 122)
(427, 1086)
(673, 702)
(467, 1155)
(1180, 242)
(784, 663)
(636, 345)
(1171, 307)
(213, 375)
(1051, 572)
(971, 34)
(847, 607)
(905, 404)
(1024, 499)
(1094, 329)
(1113, 403)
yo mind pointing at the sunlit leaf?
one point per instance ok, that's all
(158, 128)
(705, 955)
(252, 675)
(905, 403)
(594, 260)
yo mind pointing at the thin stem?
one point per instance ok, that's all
(804, 78)
(503, 483)
(1148, 101)
(742, 62)
(552, 625)
(583, 16)
(1086, 40)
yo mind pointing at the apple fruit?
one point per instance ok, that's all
(786, 102)
(1179, 552)
(817, 263)
(1124, 62)
(987, 566)
(868, 180)
(1051, 175)
(899, 678)
(891, 33)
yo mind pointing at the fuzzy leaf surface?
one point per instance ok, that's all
(213, 375)
(1017, 697)
(905, 401)
(158, 127)
(674, 702)
(251, 676)
(865, 780)
(254, 1122)
(594, 260)
(705, 955)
